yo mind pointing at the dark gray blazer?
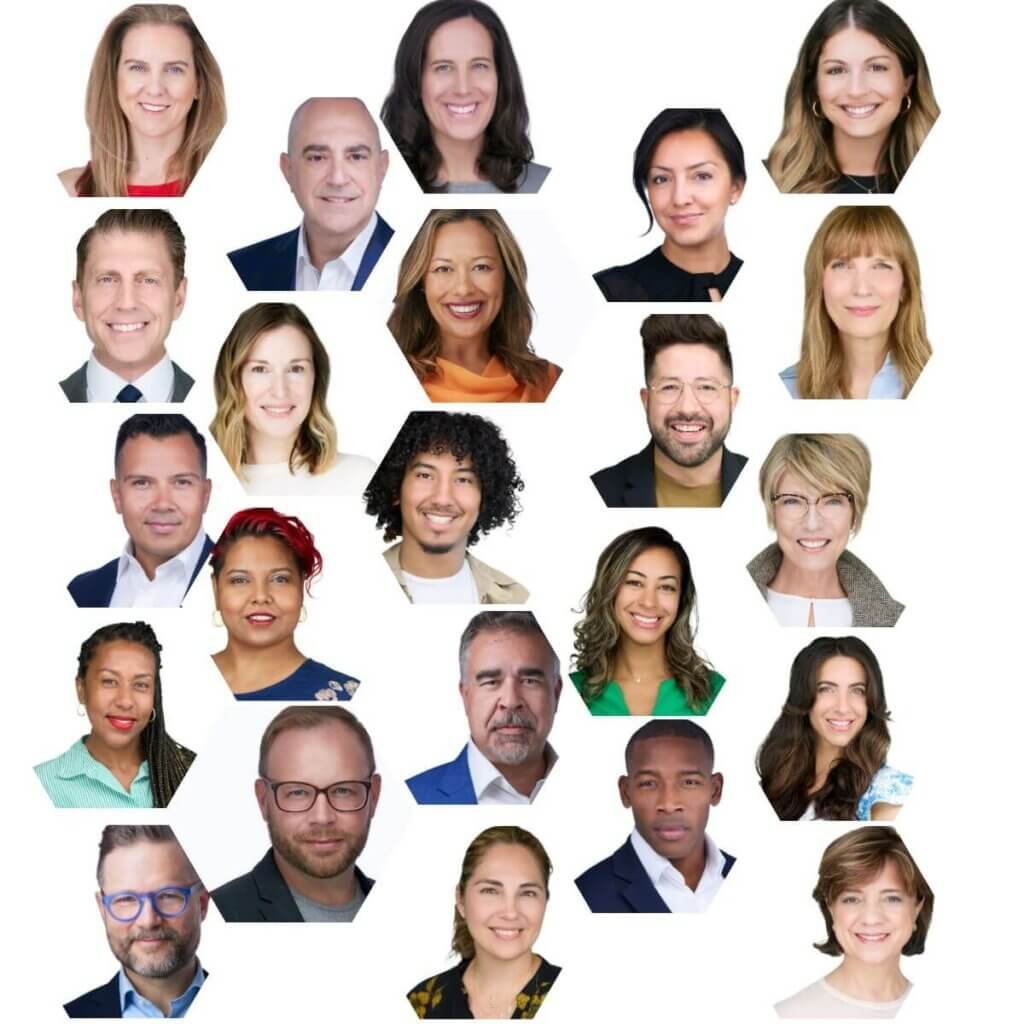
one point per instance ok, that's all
(74, 386)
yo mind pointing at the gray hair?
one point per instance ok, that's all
(522, 623)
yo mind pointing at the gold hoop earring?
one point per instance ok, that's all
(218, 619)
(303, 615)
(815, 109)
(910, 103)
(152, 716)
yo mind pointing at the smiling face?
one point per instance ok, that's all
(152, 946)
(334, 167)
(688, 431)
(320, 842)
(861, 85)
(156, 80)
(504, 902)
(128, 300)
(862, 295)
(811, 542)
(510, 692)
(464, 283)
(161, 494)
(459, 87)
(671, 789)
(118, 692)
(874, 920)
(647, 603)
(258, 592)
(840, 706)
(440, 501)
(277, 380)
(690, 188)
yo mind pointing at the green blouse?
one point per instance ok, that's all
(76, 779)
(671, 700)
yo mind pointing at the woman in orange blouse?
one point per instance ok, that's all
(462, 315)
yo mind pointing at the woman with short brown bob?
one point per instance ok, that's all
(815, 492)
(877, 906)
(463, 316)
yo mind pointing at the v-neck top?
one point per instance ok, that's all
(671, 699)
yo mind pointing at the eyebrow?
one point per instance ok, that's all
(689, 167)
(118, 672)
(445, 259)
(500, 884)
(166, 63)
(496, 673)
(297, 359)
(242, 568)
(877, 56)
(451, 60)
(420, 464)
(643, 575)
(657, 774)
(172, 476)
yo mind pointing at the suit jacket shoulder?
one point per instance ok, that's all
(104, 1001)
(618, 884)
(74, 386)
(95, 588)
(182, 384)
(268, 265)
(449, 783)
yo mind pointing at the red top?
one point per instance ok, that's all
(168, 188)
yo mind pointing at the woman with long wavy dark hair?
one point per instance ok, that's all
(634, 647)
(825, 755)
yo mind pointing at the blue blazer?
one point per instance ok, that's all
(619, 884)
(95, 588)
(269, 266)
(101, 1002)
(448, 783)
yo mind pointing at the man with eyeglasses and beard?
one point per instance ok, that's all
(153, 906)
(317, 791)
(510, 682)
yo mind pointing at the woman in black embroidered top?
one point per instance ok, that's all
(687, 170)
(499, 909)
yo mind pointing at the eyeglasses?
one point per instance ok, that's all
(668, 392)
(296, 797)
(794, 507)
(170, 901)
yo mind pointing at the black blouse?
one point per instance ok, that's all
(863, 184)
(443, 997)
(653, 278)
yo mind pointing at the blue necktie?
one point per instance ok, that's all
(129, 393)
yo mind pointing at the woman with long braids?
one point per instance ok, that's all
(127, 759)
(825, 755)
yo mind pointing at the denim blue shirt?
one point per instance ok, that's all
(888, 382)
(135, 1005)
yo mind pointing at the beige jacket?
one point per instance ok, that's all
(493, 587)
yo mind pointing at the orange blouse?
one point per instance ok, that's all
(455, 383)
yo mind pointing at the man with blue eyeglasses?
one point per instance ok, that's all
(153, 906)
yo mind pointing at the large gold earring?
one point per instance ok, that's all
(910, 103)
(218, 619)
(815, 109)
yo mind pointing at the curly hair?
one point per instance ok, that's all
(467, 438)
(787, 759)
(597, 636)
(267, 522)
(168, 761)
(506, 147)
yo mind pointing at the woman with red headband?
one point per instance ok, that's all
(263, 565)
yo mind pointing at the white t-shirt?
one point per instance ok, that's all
(457, 589)
(791, 610)
(823, 1000)
(349, 475)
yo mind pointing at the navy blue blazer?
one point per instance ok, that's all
(101, 1002)
(95, 588)
(619, 884)
(269, 266)
(448, 783)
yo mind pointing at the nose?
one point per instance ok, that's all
(260, 592)
(125, 697)
(463, 283)
(670, 799)
(462, 80)
(857, 81)
(321, 810)
(338, 172)
(126, 293)
(149, 918)
(813, 517)
(687, 400)
(443, 492)
(278, 384)
(681, 190)
(842, 700)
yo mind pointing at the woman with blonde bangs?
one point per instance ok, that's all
(864, 328)
(634, 647)
(815, 491)
(462, 314)
(859, 104)
(154, 106)
(272, 420)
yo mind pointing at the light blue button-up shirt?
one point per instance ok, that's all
(77, 779)
(135, 1005)
(888, 382)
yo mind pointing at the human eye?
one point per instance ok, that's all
(140, 483)
(281, 577)
(669, 588)
(483, 266)
(136, 65)
(646, 784)
(838, 264)
(299, 368)
(343, 790)
(238, 578)
(704, 176)
(883, 265)
(142, 685)
(790, 500)
(105, 279)
(879, 66)
(894, 897)
(834, 500)
(835, 69)
(296, 791)
(706, 390)
(825, 688)
(124, 902)
(849, 899)
(669, 390)
(659, 179)
(442, 66)
(860, 691)
(108, 681)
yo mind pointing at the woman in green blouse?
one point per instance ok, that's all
(127, 759)
(634, 647)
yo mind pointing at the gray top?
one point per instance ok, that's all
(530, 182)
(311, 911)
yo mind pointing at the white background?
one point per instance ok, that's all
(941, 529)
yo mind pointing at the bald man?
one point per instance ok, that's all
(334, 166)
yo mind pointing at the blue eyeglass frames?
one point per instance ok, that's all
(170, 901)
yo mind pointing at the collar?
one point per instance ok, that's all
(187, 558)
(351, 257)
(484, 773)
(128, 995)
(103, 385)
(656, 867)
(76, 761)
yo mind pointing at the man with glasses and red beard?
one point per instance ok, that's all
(688, 400)
(317, 790)
(153, 906)
(510, 683)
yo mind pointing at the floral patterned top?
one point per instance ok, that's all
(443, 997)
(889, 786)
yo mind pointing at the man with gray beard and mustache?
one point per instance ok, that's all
(688, 400)
(153, 906)
(510, 682)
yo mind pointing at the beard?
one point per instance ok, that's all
(512, 750)
(293, 849)
(688, 455)
(173, 955)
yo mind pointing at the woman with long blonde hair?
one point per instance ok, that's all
(462, 314)
(864, 331)
(154, 106)
(272, 421)
(858, 105)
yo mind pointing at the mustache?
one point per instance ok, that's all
(320, 834)
(688, 418)
(515, 719)
(154, 933)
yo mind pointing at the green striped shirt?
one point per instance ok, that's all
(77, 779)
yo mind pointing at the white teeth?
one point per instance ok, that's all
(442, 520)
(153, 108)
(646, 620)
(465, 310)
(125, 328)
(873, 938)
(506, 933)
(466, 109)
(861, 111)
(688, 428)
(812, 545)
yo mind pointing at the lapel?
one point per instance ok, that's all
(74, 385)
(455, 782)
(638, 480)
(203, 558)
(635, 887)
(378, 242)
(276, 903)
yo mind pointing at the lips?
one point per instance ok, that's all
(813, 544)
(278, 412)
(872, 939)
(128, 328)
(162, 529)
(155, 108)
(121, 724)
(840, 724)
(645, 621)
(260, 619)
(671, 832)
(507, 934)
(860, 111)
(464, 311)
(338, 200)
(862, 310)
(438, 520)
(461, 110)
(685, 219)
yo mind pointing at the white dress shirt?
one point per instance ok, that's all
(167, 588)
(103, 385)
(790, 610)
(669, 882)
(491, 787)
(338, 274)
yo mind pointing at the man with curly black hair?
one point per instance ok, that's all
(447, 479)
